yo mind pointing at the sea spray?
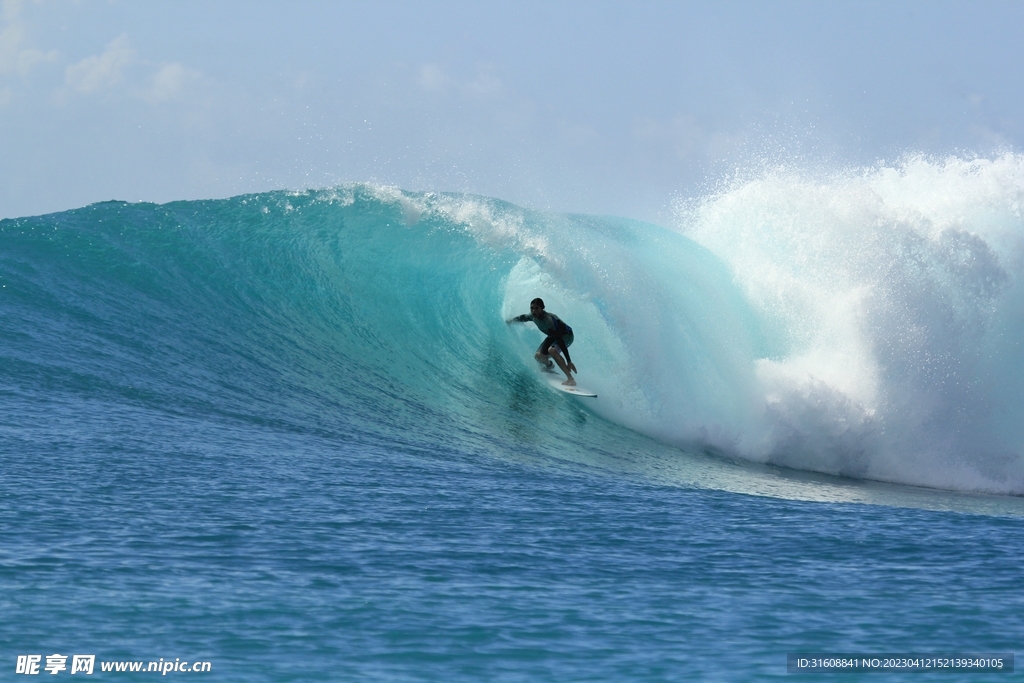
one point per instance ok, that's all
(895, 294)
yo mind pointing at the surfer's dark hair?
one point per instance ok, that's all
(538, 301)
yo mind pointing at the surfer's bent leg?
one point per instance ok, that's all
(542, 355)
(556, 353)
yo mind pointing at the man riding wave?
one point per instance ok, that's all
(558, 340)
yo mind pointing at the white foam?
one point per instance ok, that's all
(896, 292)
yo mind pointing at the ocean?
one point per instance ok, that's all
(289, 436)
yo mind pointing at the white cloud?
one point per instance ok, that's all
(10, 46)
(15, 56)
(169, 82)
(431, 77)
(485, 84)
(11, 36)
(120, 66)
(102, 71)
(685, 138)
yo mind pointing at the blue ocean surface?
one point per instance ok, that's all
(290, 434)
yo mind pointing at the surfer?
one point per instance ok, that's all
(558, 339)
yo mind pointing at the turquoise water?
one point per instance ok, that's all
(291, 435)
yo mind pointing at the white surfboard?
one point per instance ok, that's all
(556, 382)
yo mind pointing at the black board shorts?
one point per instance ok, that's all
(548, 341)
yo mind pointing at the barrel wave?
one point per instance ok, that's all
(863, 324)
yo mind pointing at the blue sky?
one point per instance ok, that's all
(596, 107)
